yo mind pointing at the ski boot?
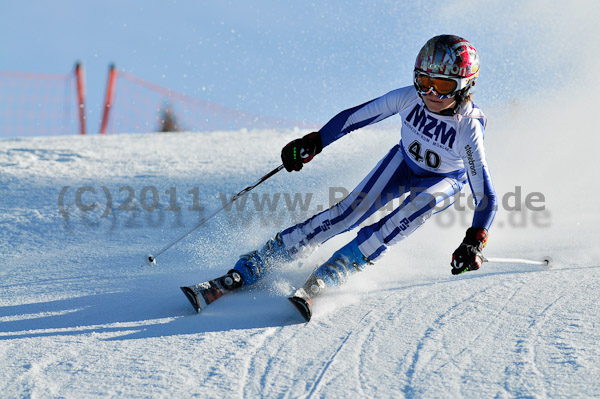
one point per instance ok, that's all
(333, 273)
(253, 265)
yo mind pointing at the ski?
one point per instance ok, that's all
(302, 303)
(203, 294)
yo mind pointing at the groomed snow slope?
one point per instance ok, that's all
(79, 318)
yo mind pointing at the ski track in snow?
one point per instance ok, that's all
(531, 370)
(526, 348)
(421, 357)
(84, 320)
(248, 364)
(319, 377)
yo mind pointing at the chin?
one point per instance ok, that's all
(433, 107)
(436, 106)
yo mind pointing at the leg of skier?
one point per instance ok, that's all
(373, 240)
(383, 184)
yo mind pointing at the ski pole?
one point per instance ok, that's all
(545, 262)
(151, 259)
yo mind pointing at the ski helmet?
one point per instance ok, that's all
(446, 65)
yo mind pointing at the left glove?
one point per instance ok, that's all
(468, 255)
(300, 151)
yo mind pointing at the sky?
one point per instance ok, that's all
(299, 60)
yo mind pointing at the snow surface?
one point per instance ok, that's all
(79, 317)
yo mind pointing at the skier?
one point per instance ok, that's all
(441, 149)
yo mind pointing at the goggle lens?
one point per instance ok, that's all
(440, 85)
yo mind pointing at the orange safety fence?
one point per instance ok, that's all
(134, 105)
(36, 104)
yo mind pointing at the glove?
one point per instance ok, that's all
(301, 151)
(468, 255)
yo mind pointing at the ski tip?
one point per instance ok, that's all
(192, 297)
(547, 262)
(303, 306)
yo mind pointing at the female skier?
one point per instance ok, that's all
(441, 149)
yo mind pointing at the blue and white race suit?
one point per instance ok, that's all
(435, 157)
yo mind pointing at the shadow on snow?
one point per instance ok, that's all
(147, 311)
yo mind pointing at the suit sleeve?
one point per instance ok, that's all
(473, 154)
(365, 114)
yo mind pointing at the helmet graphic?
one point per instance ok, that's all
(446, 65)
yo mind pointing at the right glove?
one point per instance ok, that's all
(300, 151)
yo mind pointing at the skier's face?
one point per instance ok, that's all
(436, 105)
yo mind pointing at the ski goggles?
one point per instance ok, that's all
(442, 87)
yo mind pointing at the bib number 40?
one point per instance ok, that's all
(431, 159)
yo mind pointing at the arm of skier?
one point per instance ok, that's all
(468, 256)
(302, 150)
